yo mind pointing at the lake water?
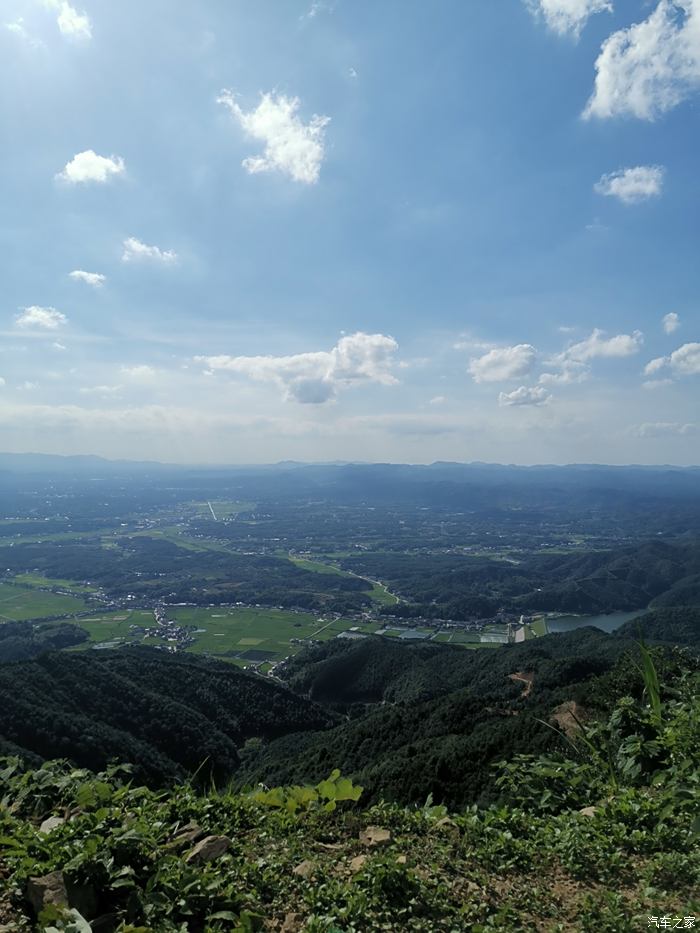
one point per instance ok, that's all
(608, 623)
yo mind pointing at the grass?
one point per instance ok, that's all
(19, 605)
(318, 566)
(108, 626)
(377, 591)
(35, 579)
(228, 631)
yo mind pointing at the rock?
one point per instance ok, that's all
(210, 848)
(374, 836)
(357, 864)
(401, 860)
(53, 822)
(588, 811)
(185, 836)
(292, 923)
(304, 869)
(447, 825)
(47, 889)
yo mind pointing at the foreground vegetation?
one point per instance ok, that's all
(601, 837)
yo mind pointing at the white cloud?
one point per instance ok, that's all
(632, 185)
(88, 167)
(106, 391)
(314, 378)
(503, 363)
(524, 396)
(17, 28)
(96, 279)
(44, 318)
(317, 6)
(2, 381)
(671, 322)
(567, 16)
(571, 365)
(438, 400)
(571, 371)
(70, 22)
(656, 383)
(662, 428)
(685, 361)
(291, 146)
(653, 366)
(140, 373)
(650, 67)
(58, 346)
(598, 345)
(135, 250)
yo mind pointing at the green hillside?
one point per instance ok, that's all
(600, 837)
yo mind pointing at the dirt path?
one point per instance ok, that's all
(527, 679)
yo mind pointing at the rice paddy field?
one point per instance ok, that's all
(17, 603)
(241, 635)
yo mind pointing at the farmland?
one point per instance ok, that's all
(241, 635)
(18, 603)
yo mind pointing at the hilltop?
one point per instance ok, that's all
(602, 836)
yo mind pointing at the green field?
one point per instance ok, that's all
(239, 635)
(35, 579)
(318, 566)
(112, 625)
(18, 604)
(377, 591)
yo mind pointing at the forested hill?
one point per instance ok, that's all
(440, 719)
(168, 716)
(406, 720)
(625, 578)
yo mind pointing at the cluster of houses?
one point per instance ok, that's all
(177, 637)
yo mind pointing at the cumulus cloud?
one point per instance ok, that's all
(572, 364)
(632, 185)
(42, 318)
(567, 16)
(650, 67)
(524, 396)
(664, 428)
(71, 23)
(671, 322)
(291, 146)
(503, 363)
(570, 372)
(685, 361)
(653, 366)
(315, 378)
(598, 345)
(136, 251)
(96, 279)
(89, 167)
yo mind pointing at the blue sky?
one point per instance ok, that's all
(284, 229)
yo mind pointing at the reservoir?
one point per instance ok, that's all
(608, 623)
